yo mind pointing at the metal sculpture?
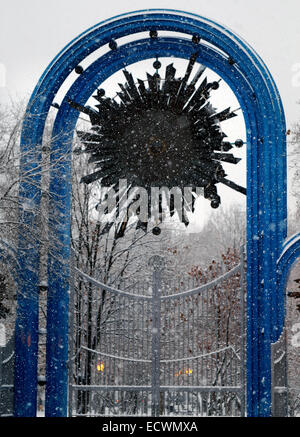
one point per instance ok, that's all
(243, 70)
(166, 134)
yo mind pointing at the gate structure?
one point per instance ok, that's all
(285, 387)
(7, 358)
(153, 33)
(154, 349)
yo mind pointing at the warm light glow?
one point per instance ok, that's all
(100, 366)
(188, 372)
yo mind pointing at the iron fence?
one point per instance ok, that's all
(155, 349)
(7, 358)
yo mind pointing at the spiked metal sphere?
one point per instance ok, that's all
(162, 132)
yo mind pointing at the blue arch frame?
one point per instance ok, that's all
(266, 191)
(289, 256)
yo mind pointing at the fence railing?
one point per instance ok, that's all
(158, 348)
(7, 358)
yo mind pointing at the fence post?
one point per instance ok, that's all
(279, 377)
(157, 264)
(71, 331)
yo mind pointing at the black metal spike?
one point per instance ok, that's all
(104, 167)
(233, 185)
(181, 96)
(196, 97)
(190, 66)
(202, 112)
(169, 77)
(142, 90)
(101, 152)
(153, 82)
(88, 136)
(132, 87)
(207, 167)
(184, 217)
(154, 85)
(209, 109)
(99, 159)
(84, 109)
(225, 157)
(110, 179)
(188, 92)
(95, 139)
(174, 87)
(102, 147)
(225, 115)
(126, 95)
(88, 179)
(123, 98)
(106, 107)
(195, 107)
(199, 73)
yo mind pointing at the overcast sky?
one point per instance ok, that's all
(32, 32)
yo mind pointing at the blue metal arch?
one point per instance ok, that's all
(266, 180)
(80, 91)
(289, 256)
